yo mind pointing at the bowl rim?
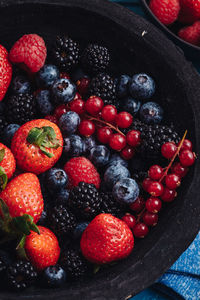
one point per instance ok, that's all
(125, 285)
(165, 28)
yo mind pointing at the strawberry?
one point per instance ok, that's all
(191, 34)
(106, 239)
(7, 162)
(5, 72)
(37, 146)
(29, 52)
(23, 195)
(81, 169)
(190, 11)
(42, 249)
(165, 10)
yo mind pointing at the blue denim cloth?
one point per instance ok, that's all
(182, 281)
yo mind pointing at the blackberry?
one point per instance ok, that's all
(111, 206)
(21, 108)
(3, 123)
(65, 53)
(74, 263)
(20, 275)
(95, 58)
(85, 200)
(154, 136)
(104, 86)
(61, 220)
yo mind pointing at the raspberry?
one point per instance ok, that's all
(191, 34)
(165, 10)
(190, 11)
(30, 52)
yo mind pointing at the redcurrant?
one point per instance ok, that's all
(127, 153)
(150, 219)
(109, 113)
(124, 119)
(168, 195)
(155, 189)
(155, 172)
(130, 220)
(187, 158)
(64, 75)
(138, 205)
(104, 134)
(179, 170)
(77, 96)
(86, 128)
(146, 182)
(83, 86)
(172, 181)
(117, 142)
(133, 138)
(168, 150)
(153, 205)
(77, 105)
(140, 230)
(60, 110)
(94, 105)
(187, 145)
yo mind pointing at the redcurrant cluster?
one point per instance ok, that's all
(161, 185)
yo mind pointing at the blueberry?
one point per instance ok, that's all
(44, 216)
(88, 144)
(56, 179)
(48, 75)
(73, 145)
(126, 191)
(63, 91)
(62, 197)
(116, 159)
(99, 155)
(44, 104)
(142, 86)
(130, 105)
(8, 133)
(21, 85)
(78, 231)
(77, 74)
(69, 122)
(53, 276)
(151, 113)
(115, 173)
(122, 86)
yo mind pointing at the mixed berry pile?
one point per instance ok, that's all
(87, 161)
(182, 17)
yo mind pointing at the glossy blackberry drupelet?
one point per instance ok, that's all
(154, 136)
(85, 200)
(74, 263)
(95, 58)
(104, 86)
(20, 275)
(61, 220)
(65, 53)
(111, 206)
(3, 123)
(21, 108)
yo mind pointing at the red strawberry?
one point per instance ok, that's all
(106, 239)
(7, 161)
(5, 72)
(30, 52)
(23, 195)
(191, 34)
(42, 249)
(190, 11)
(165, 10)
(81, 169)
(33, 154)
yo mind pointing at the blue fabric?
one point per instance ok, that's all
(182, 281)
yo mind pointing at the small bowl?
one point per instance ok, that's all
(192, 52)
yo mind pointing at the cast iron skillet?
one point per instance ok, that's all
(136, 46)
(191, 51)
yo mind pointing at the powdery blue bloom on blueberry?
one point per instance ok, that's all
(56, 179)
(131, 105)
(62, 197)
(142, 86)
(88, 144)
(99, 155)
(53, 276)
(44, 105)
(126, 191)
(73, 145)
(63, 91)
(69, 122)
(21, 85)
(78, 231)
(122, 86)
(8, 133)
(48, 75)
(116, 159)
(151, 113)
(114, 173)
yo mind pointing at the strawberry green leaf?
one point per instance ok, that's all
(25, 224)
(33, 135)
(3, 179)
(21, 243)
(96, 269)
(2, 154)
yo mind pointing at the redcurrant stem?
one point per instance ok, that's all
(140, 215)
(173, 158)
(106, 123)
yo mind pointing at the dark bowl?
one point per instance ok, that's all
(136, 46)
(192, 52)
